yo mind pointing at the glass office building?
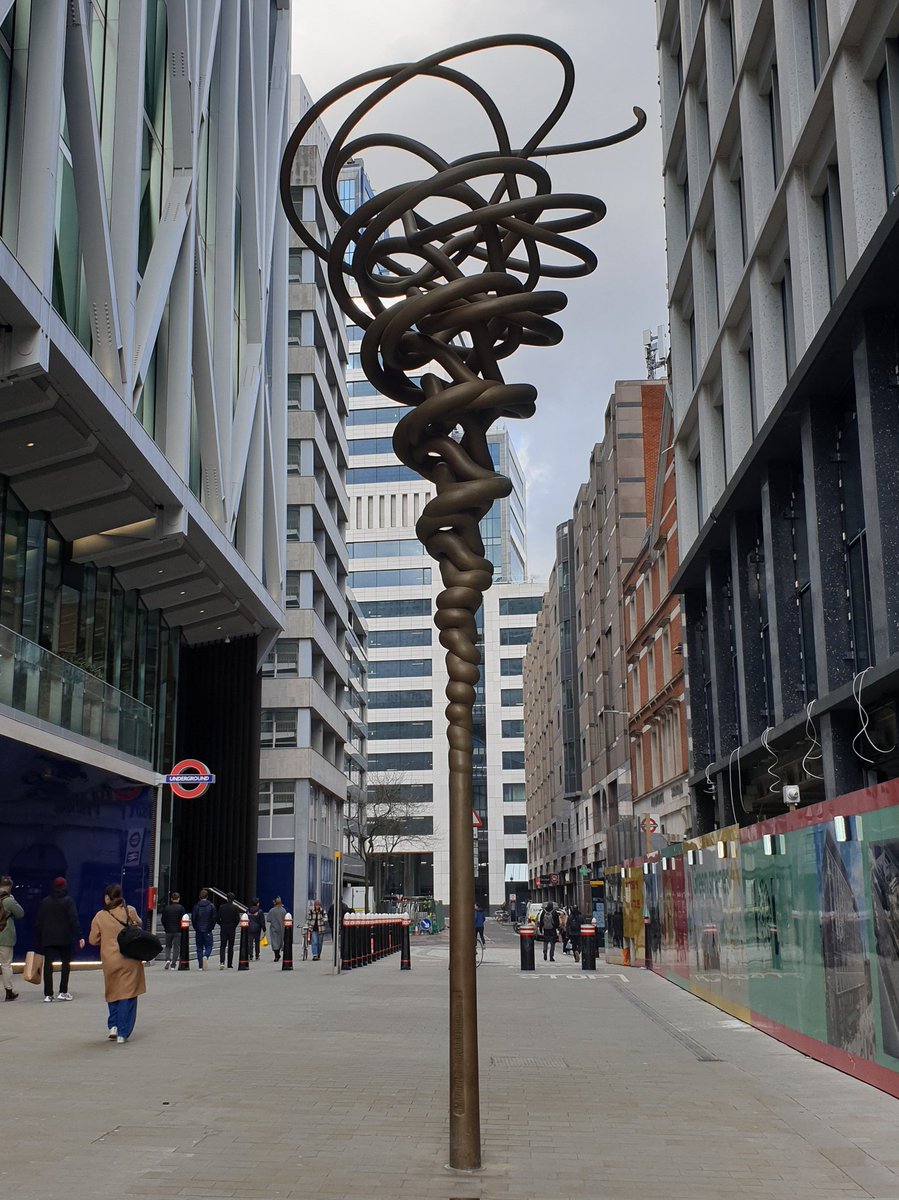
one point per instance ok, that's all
(143, 272)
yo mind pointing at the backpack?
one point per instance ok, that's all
(549, 921)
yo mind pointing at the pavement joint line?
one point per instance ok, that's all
(696, 1048)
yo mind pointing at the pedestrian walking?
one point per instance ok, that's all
(123, 978)
(56, 927)
(563, 925)
(275, 918)
(479, 918)
(256, 927)
(171, 923)
(548, 924)
(575, 921)
(316, 924)
(10, 912)
(228, 918)
(344, 909)
(203, 920)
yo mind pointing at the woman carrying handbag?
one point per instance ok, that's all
(123, 977)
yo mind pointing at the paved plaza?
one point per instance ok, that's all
(270, 1085)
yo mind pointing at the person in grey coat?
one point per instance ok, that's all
(275, 917)
(10, 912)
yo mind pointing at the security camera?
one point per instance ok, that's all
(791, 795)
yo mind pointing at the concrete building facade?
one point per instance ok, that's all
(579, 797)
(780, 127)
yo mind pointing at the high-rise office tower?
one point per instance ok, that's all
(781, 127)
(142, 434)
(396, 583)
(313, 692)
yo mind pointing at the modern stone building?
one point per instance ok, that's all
(578, 775)
(780, 127)
(653, 630)
(314, 680)
(142, 433)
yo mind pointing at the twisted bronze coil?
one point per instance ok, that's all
(432, 311)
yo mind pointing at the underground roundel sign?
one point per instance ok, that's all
(189, 778)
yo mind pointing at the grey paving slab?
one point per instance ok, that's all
(270, 1085)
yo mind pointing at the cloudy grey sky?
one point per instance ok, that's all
(612, 43)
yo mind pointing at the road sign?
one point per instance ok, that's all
(189, 778)
(476, 821)
(649, 824)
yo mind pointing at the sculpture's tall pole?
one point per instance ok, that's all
(418, 308)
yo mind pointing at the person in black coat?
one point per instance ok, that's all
(228, 919)
(256, 928)
(56, 926)
(171, 923)
(575, 921)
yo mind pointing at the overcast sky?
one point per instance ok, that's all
(612, 43)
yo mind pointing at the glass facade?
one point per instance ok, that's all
(405, 699)
(78, 650)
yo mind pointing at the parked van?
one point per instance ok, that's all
(534, 909)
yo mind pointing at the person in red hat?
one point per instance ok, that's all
(56, 927)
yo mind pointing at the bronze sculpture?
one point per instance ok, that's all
(432, 311)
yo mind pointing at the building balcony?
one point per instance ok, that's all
(39, 684)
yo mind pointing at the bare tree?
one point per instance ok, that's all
(381, 819)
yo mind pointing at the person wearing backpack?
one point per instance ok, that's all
(203, 920)
(10, 912)
(123, 978)
(575, 921)
(56, 926)
(171, 923)
(548, 924)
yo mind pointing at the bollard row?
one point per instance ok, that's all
(366, 937)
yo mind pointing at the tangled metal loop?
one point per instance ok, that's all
(458, 291)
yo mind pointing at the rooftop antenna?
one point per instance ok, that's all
(654, 351)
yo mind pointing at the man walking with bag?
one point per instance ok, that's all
(171, 923)
(56, 926)
(203, 920)
(10, 912)
(548, 924)
(228, 918)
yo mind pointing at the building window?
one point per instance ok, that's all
(410, 761)
(513, 729)
(294, 392)
(292, 589)
(513, 760)
(294, 518)
(283, 659)
(294, 454)
(392, 548)
(399, 730)
(276, 799)
(789, 323)
(278, 728)
(387, 577)
(513, 793)
(511, 697)
(510, 666)
(382, 445)
(382, 639)
(855, 553)
(887, 89)
(803, 586)
(391, 474)
(398, 668)
(294, 328)
(775, 126)
(833, 233)
(515, 637)
(379, 610)
(373, 416)
(405, 699)
(519, 606)
(819, 36)
(513, 824)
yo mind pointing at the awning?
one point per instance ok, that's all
(516, 872)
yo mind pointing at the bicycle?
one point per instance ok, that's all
(478, 952)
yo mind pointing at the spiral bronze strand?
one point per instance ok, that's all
(459, 291)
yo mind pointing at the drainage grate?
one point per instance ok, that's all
(512, 1060)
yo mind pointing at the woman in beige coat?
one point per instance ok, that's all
(123, 977)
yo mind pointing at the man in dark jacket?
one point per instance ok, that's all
(548, 924)
(171, 923)
(203, 920)
(257, 927)
(228, 919)
(56, 926)
(575, 921)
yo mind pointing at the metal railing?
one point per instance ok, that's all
(40, 684)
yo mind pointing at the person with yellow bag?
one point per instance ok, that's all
(257, 929)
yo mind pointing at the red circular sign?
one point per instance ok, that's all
(189, 766)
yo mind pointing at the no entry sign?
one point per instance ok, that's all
(189, 778)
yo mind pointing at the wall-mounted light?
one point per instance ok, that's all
(646, 868)
(768, 843)
(841, 829)
(722, 849)
(691, 857)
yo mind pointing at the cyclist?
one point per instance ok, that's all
(479, 918)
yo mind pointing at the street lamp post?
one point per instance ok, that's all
(459, 291)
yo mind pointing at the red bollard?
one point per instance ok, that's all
(243, 956)
(184, 960)
(287, 953)
(526, 945)
(406, 951)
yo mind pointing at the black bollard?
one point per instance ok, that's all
(406, 950)
(184, 961)
(526, 946)
(243, 954)
(588, 948)
(287, 953)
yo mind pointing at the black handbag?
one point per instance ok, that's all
(136, 942)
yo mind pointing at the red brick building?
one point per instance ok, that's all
(653, 638)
